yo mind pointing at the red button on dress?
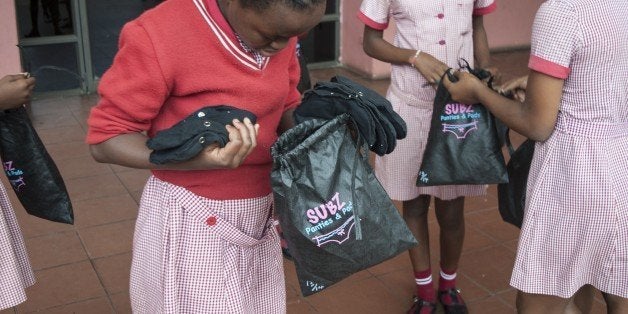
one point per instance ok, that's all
(211, 220)
(440, 15)
(442, 42)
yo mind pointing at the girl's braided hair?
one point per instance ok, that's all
(261, 5)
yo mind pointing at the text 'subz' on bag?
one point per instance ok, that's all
(335, 216)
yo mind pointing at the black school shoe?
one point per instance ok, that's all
(456, 306)
(421, 306)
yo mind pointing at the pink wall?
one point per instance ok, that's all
(9, 53)
(508, 28)
(510, 25)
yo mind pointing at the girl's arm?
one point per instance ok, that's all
(534, 118)
(376, 47)
(130, 150)
(286, 122)
(481, 52)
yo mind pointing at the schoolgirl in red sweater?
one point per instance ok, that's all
(204, 241)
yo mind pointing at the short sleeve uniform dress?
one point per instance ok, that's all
(575, 230)
(16, 273)
(444, 30)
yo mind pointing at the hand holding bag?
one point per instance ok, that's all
(31, 171)
(335, 216)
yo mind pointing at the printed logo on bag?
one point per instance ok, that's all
(16, 176)
(423, 177)
(330, 222)
(458, 115)
(314, 287)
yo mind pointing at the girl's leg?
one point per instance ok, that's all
(582, 301)
(615, 304)
(450, 216)
(540, 303)
(415, 215)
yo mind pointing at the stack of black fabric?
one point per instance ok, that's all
(200, 129)
(378, 124)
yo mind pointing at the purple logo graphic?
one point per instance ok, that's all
(15, 176)
(460, 130)
(338, 235)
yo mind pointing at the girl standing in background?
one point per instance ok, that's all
(431, 37)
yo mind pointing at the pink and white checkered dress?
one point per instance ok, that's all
(196, 255)
(575, 230)
(15, 269)
(442, 28)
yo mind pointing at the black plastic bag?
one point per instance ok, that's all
(463, 146)
(31, 171)
(335, 216)
(512, 195)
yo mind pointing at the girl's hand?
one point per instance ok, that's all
(495, 73)
(465, 90)
(15, 90)
(431, 68)
(242, 141)
(516, 87)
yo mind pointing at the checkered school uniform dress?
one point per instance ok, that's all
(15, 269)
(575, 230)
(196, 255)
(444, 30)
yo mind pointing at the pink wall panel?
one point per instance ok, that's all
(9, 54)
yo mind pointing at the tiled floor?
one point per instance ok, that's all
(84, 268)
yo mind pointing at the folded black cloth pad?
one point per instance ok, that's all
(200, 129)
(376, 121)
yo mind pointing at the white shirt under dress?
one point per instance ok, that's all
(443, 29)
(575, 230)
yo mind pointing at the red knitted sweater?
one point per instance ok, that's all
(179, 57)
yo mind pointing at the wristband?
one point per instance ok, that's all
(412, 59)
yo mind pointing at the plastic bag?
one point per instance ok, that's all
(335, 216)
(31, 171)
(463, 145)
(512, 195)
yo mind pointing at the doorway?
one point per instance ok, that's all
(69, 44)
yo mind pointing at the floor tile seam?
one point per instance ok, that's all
(390, 290)
(126, 188)
(105, 224)
(462, 272)
(79, 120)
(495, 242)
(486, 234)
(88, 258)
(100, 279)
(497, 297)
(476, 284)
(72, 229)
(70, 303)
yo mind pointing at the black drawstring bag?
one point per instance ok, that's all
(31, 171)
(512, 195)
(335, 216)
(463, 146)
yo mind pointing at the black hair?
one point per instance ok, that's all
(261, 5)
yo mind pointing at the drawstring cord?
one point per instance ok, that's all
(358, 225)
